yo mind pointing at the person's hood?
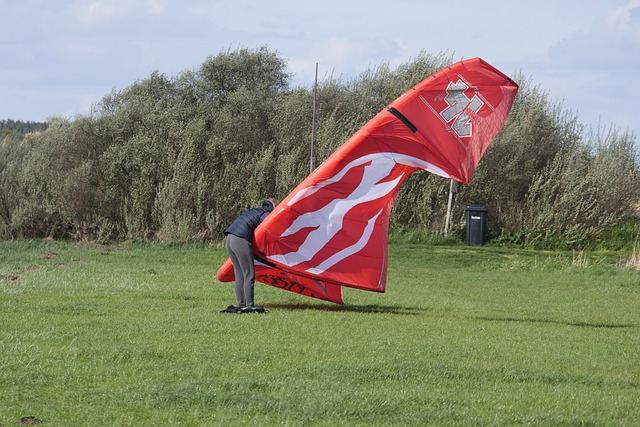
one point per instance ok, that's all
(267, 205)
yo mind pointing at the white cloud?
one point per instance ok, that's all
(101, 12)
(625, 20)
(156, 7)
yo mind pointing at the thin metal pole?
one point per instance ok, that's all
(313, 120)
(452, 189)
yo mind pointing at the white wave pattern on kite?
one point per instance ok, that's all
(350, 250)
(328, 220)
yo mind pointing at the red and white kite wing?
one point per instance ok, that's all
(331, 231)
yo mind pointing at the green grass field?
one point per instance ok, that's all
(464, 336)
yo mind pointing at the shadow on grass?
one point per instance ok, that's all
(371, 308)
(557, 322)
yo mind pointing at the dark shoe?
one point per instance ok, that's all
(253, 309)
(231, 309)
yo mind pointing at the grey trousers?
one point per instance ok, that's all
(242, 258)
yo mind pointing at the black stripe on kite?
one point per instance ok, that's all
(264, 261)
(403, 119)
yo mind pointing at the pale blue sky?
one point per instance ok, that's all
(59, 58)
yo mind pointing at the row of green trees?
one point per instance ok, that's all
(177, 158)
(18, 128)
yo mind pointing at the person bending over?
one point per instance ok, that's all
(239, 237)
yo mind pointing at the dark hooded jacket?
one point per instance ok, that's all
(248, 220)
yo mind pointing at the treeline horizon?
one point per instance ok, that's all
(177, 158)
(19, 128)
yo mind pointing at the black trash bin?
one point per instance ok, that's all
(476, 216)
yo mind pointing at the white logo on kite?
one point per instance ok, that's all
(458, 105)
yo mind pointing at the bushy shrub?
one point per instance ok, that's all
(580, 194)
(178, 158)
